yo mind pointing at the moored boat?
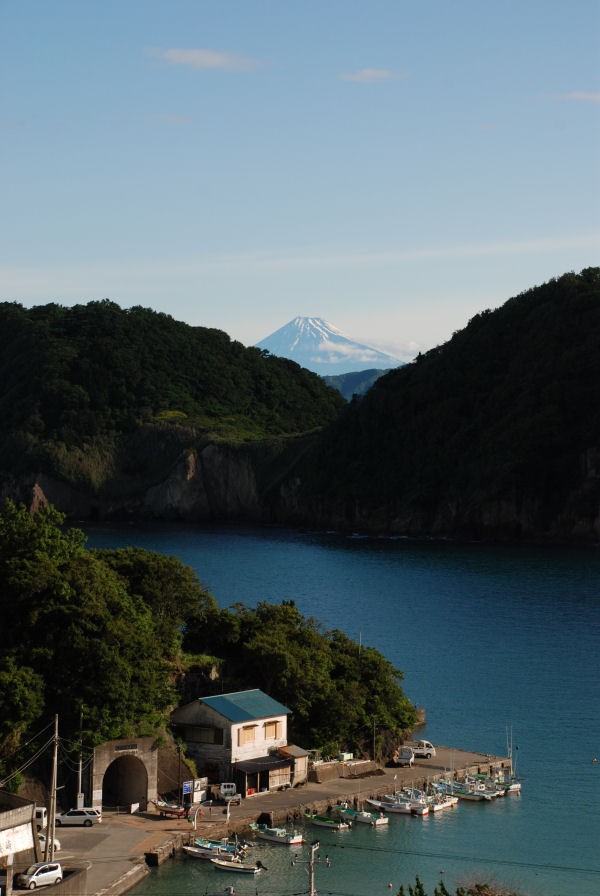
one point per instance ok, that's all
(415, 803)
(210, 852)
(465, 790)
(225, 845)
(237, 866)
(326, 821)
(395, 807)
(375, 819)
(277, 835)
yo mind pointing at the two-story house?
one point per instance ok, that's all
(237, 737)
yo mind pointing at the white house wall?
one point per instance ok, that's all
(260, 745)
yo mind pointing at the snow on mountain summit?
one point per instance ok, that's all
(319, 346)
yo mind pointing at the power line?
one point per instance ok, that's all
(26, 764)
(476, 859)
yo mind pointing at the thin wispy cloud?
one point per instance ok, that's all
(171, 118)
(203, 60)
(368, 75)
(581, 96)
(148, 275)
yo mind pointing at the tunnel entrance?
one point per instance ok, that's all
(125, 783)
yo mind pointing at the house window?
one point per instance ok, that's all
(205, 735)
(246, 735)
(272, 730)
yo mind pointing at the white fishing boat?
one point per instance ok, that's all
(238, 866)
(277, 835)
(413, 800)
(394, 807)
(375, 819)
(222, 847)
(438, 801)
(209, 852)
(465, 790)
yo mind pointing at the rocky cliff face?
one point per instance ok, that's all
(221, 482)
(216, 482)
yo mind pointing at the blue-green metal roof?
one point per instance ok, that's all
(245, 705)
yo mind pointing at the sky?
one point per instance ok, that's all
(391, 167)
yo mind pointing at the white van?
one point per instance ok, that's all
(41, 818)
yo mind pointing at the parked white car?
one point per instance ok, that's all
(42, 839)
(86, 817)
(39, 875)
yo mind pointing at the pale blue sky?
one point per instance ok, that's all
(391, 167)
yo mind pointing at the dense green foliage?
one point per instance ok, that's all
(476, 889)
(507, 410)
(334, 688)
(87, 631)
(77, 379)
(356, 383)
(111, 633)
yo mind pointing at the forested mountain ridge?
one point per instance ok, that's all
(94, 391)
(496, 432)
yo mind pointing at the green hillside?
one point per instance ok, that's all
(355, 383)
(496, 430)
(80, 379)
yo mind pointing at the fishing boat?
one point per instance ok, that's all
(414, 805)
(327, 821)
(501, 782)
(210, 851)
(438, 801)
(375, 819)
(394, 807)
(237, 866)
(466, 790)
(175, 810)
(277, 835)
(225, 843)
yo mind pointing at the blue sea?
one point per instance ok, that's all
(491, 640)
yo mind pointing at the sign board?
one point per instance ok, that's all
(16, 839)
(188, 786)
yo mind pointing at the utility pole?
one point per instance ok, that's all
(373, 738)
(179, 775)
(79, 791)
(49, 851)
(311, 867)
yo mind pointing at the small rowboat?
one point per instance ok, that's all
(171, 809)
(240, 867)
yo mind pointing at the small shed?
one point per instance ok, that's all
(263, 774)
(300, 757)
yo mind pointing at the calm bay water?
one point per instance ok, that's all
(489, 639)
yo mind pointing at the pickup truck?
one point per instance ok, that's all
(227, 793)
(422, 749)
(404, 756)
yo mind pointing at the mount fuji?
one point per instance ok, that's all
(319, 346)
